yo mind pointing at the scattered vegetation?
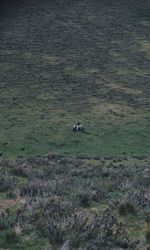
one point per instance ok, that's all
(147, 232)
(147, 228)
(82, 203)
(126, 207)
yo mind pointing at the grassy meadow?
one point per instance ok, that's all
(67, 62)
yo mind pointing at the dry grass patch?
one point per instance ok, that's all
(4, 204)
(126, 90)
(54, 60)
(5, 66)
(110, 108)
(145, 46)
(70, 70)
(28, 55)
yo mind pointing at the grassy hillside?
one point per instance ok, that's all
(64, 61)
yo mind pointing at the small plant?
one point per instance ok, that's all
(84, 200)
(11, 236)
(147, 228)
(2, 225)
(147, 232)
(126, 208)
(20, 171)
(6, 183)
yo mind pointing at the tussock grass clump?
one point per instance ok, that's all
(11, 236)
(147, 232)
(126, 208)
(147, 228)
(6, 183)
(84, 199)
(2, 225)
(20, 171)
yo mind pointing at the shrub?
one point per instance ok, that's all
(147, 227)
(6, 184)
(147, 232)
(126, 208)
(11, 236)
(11, 194)
(2, 225)
(84, 199)
(20, 171)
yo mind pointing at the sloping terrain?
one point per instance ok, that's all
(67, 61)
(63, 61)
(53, 202)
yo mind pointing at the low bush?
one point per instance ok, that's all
(6, 183)
(84, 199)
(11, 236)
(147, 232)
(126, 208)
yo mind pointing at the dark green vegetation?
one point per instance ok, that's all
(64, 61)
(49, 202)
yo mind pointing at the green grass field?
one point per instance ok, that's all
(88, 62)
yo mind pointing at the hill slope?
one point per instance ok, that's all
(64, 61)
